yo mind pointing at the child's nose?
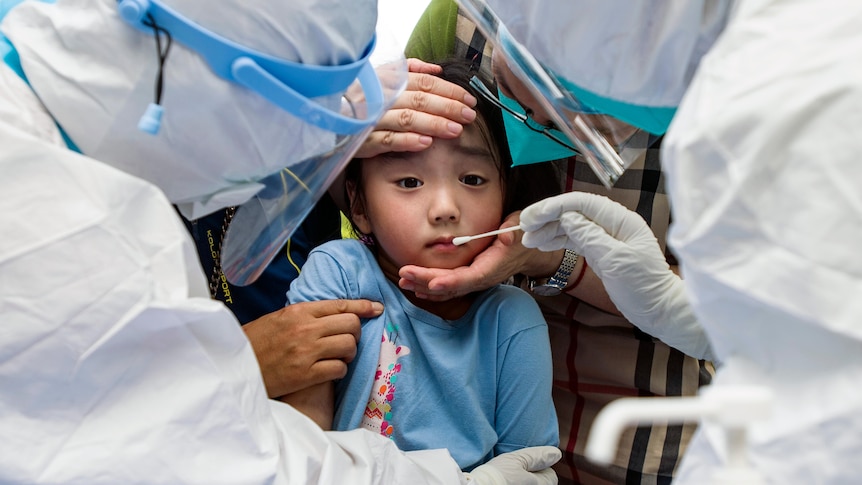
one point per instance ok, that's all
(444, 207)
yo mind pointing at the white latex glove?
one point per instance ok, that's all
(624, 253)
(527, 466)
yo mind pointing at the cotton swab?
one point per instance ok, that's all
(464, 239)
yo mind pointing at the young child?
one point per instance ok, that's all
(471, 374)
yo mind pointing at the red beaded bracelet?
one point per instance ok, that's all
(578, 279)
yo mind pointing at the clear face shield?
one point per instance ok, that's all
(326, 112)
(262, 225)
(607, 144)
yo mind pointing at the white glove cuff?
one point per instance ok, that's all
(485, 475)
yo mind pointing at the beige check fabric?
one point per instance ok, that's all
(599, 357)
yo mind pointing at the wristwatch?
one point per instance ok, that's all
(554, 285)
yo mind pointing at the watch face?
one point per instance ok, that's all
(546, 290)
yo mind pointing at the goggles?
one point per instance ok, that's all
(527, 121)
(608, 145)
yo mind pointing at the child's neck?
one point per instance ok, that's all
(452, 309)
(448, 310)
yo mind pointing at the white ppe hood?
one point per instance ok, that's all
(642, 52)
(115, 364)
(764, 180)
(762, 163)
(117, 367)
(96, 75)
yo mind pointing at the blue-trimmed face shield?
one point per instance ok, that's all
(607, 144)
(339, 103)
(289, 85)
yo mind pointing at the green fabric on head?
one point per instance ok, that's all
(433, 38)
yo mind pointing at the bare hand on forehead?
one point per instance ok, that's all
(428, 108)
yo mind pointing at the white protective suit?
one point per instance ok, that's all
(764, 179)
(115, 366)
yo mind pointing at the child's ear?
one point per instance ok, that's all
(357, 209)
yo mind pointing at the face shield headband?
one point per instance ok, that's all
(608, 145)
(288, 85)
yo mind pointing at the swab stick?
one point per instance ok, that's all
(464, 239)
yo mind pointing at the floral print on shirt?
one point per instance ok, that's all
(378, 411)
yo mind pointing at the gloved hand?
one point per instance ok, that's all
(527, 466)
(624, 253)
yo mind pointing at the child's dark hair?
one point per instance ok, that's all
(522, 185)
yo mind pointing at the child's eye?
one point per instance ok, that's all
(409, 183)
(472, 180)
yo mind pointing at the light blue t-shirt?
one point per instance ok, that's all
(478, 386)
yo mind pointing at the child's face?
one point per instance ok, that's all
(415, 203)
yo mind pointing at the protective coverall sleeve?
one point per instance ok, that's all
(112, 373)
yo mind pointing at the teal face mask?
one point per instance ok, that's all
(653, 119)
(526, 145)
